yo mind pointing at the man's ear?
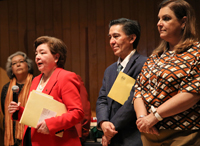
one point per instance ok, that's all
(132, 38)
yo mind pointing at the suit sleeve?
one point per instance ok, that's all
(102, 111)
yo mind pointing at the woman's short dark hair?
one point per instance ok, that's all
(56, 46)
(129, 27)
(9, 63)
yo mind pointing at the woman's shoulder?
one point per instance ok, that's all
(64, 72)
(6, 85)
(5, 89)
(194, 49)
(195, 45)
(64, 75)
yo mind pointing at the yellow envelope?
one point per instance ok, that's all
(40, 103)
(121, 88)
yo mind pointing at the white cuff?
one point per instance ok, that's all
(158, 116)
(154, 111)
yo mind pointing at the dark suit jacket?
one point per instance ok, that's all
(123, 117)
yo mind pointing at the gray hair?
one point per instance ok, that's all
(9, 64)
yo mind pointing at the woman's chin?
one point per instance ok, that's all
(40, 69)
(162, 36)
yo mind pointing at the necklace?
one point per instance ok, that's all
(157, 70)
(40, 88)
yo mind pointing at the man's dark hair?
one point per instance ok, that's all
(129, 27)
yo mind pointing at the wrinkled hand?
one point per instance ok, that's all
(42, 128)
(13, 107)
(108, 129)
(146, 124)
(105, 141)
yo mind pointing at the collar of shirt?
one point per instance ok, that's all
(126, 60)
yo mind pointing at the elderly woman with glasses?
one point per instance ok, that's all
(19, 69)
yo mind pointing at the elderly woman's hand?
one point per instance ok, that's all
(146, 124)
(13, 107)
(42, 128)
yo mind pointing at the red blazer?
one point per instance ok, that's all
(64, 86)
(84, 126)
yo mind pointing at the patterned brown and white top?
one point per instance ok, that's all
(163, 77)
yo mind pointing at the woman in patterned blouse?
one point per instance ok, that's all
(167, 91)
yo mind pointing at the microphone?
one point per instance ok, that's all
(15, 90)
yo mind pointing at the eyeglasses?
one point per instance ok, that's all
(20, 61)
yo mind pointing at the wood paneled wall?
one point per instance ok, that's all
(82, 25)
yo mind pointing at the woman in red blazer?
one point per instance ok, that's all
(64, 86)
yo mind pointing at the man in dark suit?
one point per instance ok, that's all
(118, 121)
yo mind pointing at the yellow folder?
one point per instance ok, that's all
(40, 105)
(121, 88)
